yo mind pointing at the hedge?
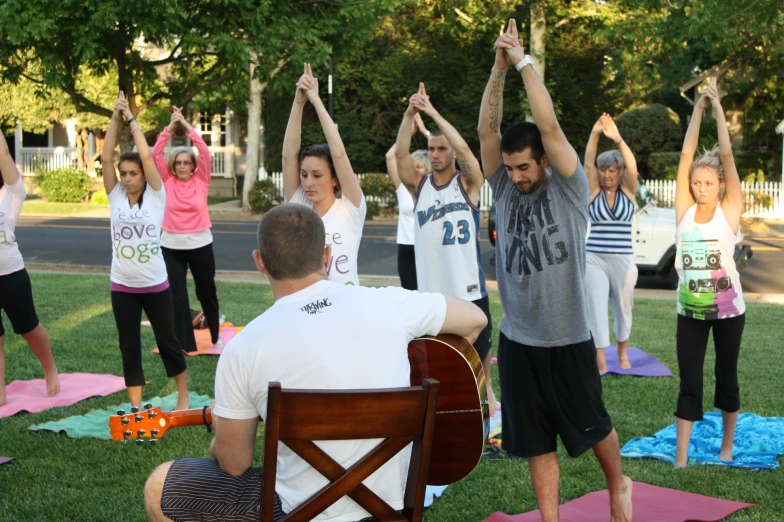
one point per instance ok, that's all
(67, 185)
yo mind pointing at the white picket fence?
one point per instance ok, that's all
(761, 199)
(485, 195)
(50, 158)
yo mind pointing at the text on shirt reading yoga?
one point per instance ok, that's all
(131, 248)
(522, 224)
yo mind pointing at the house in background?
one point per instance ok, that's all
(693, 89)
(57, 148)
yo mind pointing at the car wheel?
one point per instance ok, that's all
(672, 278)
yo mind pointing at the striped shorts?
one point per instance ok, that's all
(198, 490)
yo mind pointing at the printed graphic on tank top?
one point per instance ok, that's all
(709, 283)
(446, 240)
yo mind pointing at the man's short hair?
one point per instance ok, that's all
(291, 241)
(521, 136)
(436, 132)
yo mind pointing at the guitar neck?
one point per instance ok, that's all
(194, 417)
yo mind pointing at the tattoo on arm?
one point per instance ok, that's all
(497, 101)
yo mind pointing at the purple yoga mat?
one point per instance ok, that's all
(4, 460)
(643, 364)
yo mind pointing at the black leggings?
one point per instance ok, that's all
(202, 264)
(406, 266)
(127, 309)
(692, 342)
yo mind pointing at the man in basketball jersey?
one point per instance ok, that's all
(550, 380)
(446, 218)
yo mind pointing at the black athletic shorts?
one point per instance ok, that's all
(485, 340)
(547, 392)
(16, 298)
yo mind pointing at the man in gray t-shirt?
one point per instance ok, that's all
(550, 382)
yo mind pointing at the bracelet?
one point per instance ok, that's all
(133, 119)
(427, 134)
(619, 141)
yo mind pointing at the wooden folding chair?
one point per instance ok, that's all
(399, 416)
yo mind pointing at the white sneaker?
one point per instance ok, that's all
(218, 345)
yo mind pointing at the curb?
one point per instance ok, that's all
(252, 276)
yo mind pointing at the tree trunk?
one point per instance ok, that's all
(80, 164)
(536, 46)
(254, 124)
(125, 139)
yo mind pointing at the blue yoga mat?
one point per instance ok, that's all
(758, 442)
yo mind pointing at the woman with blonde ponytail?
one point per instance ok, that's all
(708, 207)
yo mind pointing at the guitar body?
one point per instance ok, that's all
(462, 413)
(461, 416)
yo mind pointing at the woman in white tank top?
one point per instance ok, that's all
(406, 261)
(708, 208)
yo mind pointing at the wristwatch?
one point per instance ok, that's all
(527, 60)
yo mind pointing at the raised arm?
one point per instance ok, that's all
(405, 164)
(560, 152)
(292, 141)
(349, 183)
(7, 166)
(630, 174)
(732, 202)
(204, 163)
(159, 155)
(108, 172)
(589, 161)
(683, 196)
(472, 173)
(491, 112)
(148, 164)
(392, 167)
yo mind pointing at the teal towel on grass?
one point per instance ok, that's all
(758, 441)
(96, 423)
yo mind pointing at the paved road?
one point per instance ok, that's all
(85, 241)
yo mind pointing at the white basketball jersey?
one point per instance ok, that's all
(446, 240)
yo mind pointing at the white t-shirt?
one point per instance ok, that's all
(137, 260)
(405, 216)
(343, 223)
(187, 240)
(327, 336)
(11, 199)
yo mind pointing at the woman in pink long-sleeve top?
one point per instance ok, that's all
(186, 239)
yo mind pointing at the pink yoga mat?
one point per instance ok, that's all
(650, 503)
(74, 387)
(5, 460)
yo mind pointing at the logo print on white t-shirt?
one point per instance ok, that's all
(316, 306)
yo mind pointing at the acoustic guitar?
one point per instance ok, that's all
(461, 417)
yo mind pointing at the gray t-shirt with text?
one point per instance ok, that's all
(540, 259)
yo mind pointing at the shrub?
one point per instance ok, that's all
(663, 165)
(66, 185)
(648, 130)
(99, 198)
(373, 209)
(379, 187)
(263, 196)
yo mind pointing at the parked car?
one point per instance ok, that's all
(653, 234)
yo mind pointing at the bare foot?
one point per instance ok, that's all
(725, 455)
(680, 464)
(601, 362)
(183, 402)
(52, 383)
(621, 507)
(623, 360)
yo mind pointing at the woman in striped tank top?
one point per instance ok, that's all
(610, 269)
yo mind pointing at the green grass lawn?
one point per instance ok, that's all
(57, 478)
(42, 207)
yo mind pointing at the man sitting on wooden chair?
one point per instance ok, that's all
(317, 335)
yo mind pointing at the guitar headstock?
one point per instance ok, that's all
(150, 424)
